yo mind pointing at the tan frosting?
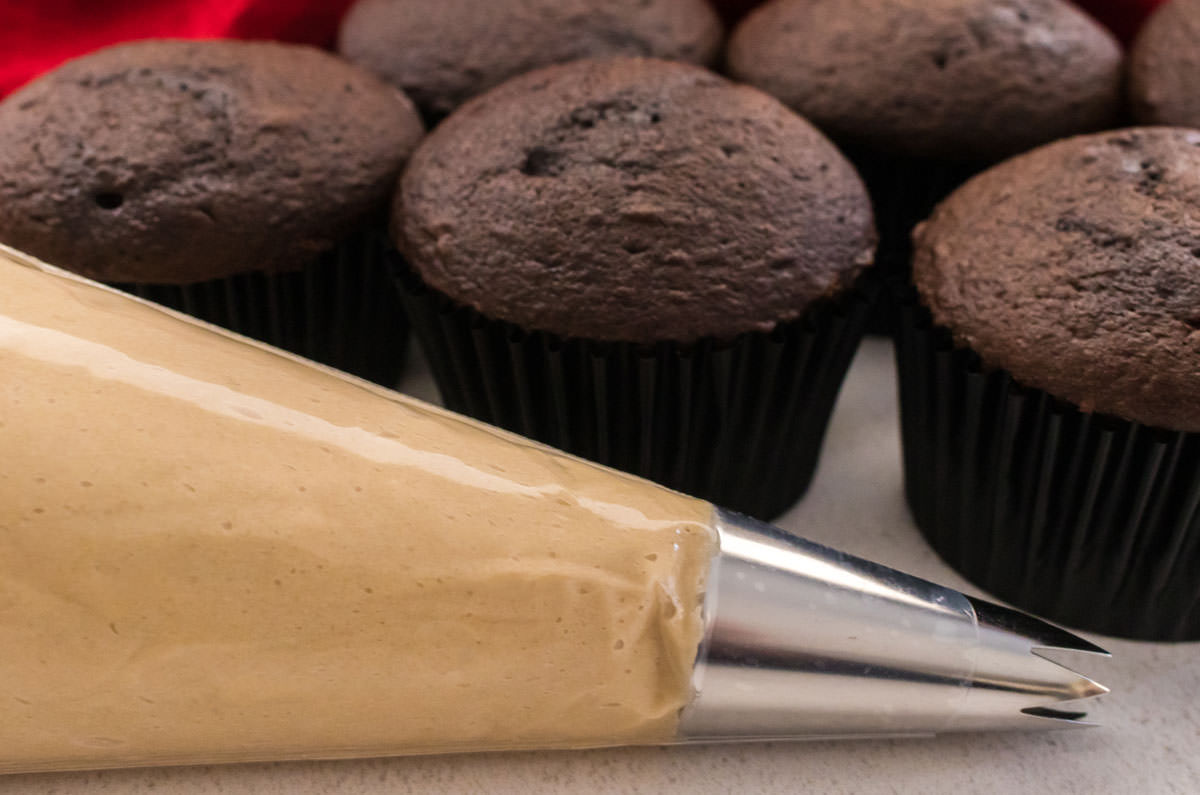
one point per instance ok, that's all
(210, 551)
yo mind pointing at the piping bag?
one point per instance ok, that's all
(212, 551)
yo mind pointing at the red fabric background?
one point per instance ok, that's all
(36, 35)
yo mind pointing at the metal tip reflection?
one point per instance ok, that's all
(1014, 669)
(1041, 635)
(806, 641)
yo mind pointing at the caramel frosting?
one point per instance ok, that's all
(213, 551)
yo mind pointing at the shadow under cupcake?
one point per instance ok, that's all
(240, 182)
(1050, 382)
(642, 263)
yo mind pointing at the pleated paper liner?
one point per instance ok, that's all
(904, 191)
(739, 423)
(342, 310)
(1088, 520)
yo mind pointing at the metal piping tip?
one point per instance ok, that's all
(1012, 668)
(805, 641)
(1040, 634)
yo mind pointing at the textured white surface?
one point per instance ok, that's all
(1149, 741)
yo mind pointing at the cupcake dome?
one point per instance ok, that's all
(632, 200)
(952, 79)
(178, 162)
(442, 52)
(1076, 267)
(1164, 66)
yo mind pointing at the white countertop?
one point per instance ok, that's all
(1149, 741)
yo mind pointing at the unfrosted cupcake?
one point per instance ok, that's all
(232, 180)
(643, 263)
(1051, 420)
(924, 93)
(443, 52)
(1164, 66)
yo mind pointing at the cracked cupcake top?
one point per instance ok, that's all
(952, 79)
(1076, 267)
(181, 161)
(1164, 66)
(443, 52)
(633, 200)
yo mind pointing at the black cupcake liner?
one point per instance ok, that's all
(341, 310)
(904, 191)
(1089, 520)
(739, 423)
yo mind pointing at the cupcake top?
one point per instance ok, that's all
(1076, 267)
(635, 200)
(177, 162)
(442, 52)
(952, 79)
(1164, 66)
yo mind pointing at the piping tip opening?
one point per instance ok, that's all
(1020, 659)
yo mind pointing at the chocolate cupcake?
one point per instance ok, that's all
(232, 180)
(1049, 382)
(924, 93)
(443, 52)
(1164, 67)
(644, 264)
